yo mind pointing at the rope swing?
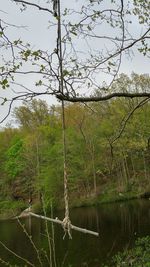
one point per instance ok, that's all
(66, 221)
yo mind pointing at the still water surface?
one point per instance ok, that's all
(118, 224)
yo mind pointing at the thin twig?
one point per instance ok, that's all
(16, 255)
(31, 241)
(53, 239)
(125, 120)
(34, 5)
(48, 236)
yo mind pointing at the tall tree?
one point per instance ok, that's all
(87, 51)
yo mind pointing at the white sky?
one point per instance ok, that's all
(41, 37)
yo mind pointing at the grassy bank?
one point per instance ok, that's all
(107, 193)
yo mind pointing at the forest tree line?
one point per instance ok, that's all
(108, 149)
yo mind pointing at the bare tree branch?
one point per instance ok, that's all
(21, 97)
(102, 98)
(34, 5)
(127, 118)
(73, 227)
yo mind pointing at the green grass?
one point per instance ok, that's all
(116, 197)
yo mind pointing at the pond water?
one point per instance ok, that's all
(118, 224)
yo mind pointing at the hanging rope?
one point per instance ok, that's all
(66, 221)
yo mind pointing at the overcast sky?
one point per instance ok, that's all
(37, 33)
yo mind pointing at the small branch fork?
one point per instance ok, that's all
(34, 5)
(24, 96)
(72, 227)
(127, 118)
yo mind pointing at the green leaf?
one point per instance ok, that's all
(110, 63)
(4, 101)
(4, 83)
(38, 83)
(89, 28)
(65, 72)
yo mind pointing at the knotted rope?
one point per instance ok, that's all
(66, 221)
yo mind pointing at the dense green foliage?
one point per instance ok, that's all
(101, 166)
(136, 257)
